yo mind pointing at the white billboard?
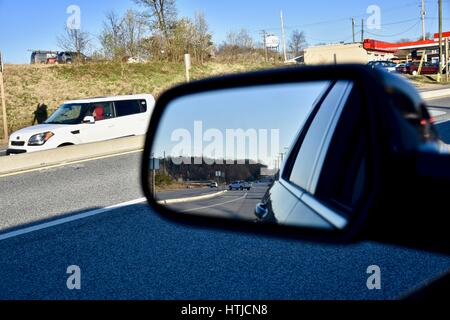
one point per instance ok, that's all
(272, 41)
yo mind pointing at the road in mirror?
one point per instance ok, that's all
(219, 153)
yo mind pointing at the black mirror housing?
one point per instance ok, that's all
(374, 86)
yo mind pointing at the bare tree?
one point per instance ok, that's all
(240, 39)
(133, 32)
(202, 38)
(297, 43)
(111, 37)
(181, 39)
(239, 45)
(122, 36)
(163, 14)
(162, 19)
(74, 40)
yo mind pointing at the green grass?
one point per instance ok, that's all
(28, 85)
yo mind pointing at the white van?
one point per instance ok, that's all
(85, 121)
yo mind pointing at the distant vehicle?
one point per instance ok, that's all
(134, 60)
(52, 60)
(214, 185)
(412, 68)
(296, 60)
(86, 121)
(67, 57)
(239, 185)
(43, 57)
(388, 66)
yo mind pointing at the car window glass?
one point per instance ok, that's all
(128, 108)
(68, 114)
(344, 174)
(308, 156)
(102, 111)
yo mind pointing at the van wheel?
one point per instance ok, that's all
(65, 145)
(414, 73)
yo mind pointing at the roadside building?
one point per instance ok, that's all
(374, 50)
(409, 51)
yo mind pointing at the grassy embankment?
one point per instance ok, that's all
(28, 85)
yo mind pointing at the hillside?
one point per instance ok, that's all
(28, 85)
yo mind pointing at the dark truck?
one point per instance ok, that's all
(43, 57)
(66, 57)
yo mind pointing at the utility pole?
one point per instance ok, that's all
(362, 30)
(353, 29)
(446, 58)
(284, 36)
(440, 41)
(2, 96)
(423, 14)
(264, 35)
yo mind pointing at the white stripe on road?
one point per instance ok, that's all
(215, 205)
(73, 218)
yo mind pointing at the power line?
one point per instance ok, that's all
(348, 18)
(397, 34)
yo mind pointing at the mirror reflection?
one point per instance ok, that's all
(223, 153)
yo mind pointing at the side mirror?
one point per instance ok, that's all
(311, 136)
(89, 120)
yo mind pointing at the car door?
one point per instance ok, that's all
(321, 166)
(131, 117)
(429, 68)
(104, 127)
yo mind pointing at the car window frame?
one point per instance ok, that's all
(330, 167)
(332, 215)
(285, 177)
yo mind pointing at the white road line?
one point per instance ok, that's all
(215, 205)
(73, 218)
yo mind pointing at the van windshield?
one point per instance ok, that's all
(69, 114)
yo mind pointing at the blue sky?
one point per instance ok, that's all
(28, 24)
(293, 103)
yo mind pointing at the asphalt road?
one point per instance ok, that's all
(184, 193)
(131, 253)
(231, 205)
